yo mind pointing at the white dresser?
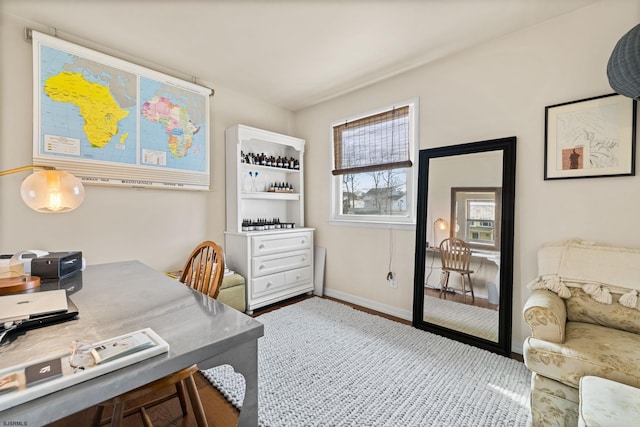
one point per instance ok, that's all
(276, 264)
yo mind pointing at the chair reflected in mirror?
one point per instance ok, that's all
(455, 255)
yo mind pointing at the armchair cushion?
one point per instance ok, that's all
(581, 307)
(587, 350)
(546, 315)
(597, 269)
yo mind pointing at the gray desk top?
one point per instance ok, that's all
(115, 299)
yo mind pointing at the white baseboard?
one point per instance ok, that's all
(372, 305)
(387, 309)
(516, 347)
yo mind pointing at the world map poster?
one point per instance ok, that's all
(112, 122)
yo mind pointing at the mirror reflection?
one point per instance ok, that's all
(461, 287)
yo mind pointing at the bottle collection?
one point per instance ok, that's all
(280, 187)
(271, 161)
(264, 224)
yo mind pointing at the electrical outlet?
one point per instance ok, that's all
(393, 280)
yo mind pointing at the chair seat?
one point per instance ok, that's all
(457, 270)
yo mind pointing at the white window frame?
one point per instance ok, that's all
(407, 222)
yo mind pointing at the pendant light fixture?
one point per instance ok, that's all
(49, 190)
(623, 68)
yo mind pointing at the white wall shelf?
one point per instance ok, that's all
(277, 264)
(264, 195)
(260, 168)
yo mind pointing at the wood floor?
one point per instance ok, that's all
(220, 413)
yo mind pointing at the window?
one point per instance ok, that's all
(374, 174)
(475, 215)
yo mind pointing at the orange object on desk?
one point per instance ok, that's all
(24, 283)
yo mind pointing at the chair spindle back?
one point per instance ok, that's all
(204, 269)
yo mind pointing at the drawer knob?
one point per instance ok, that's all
(261, 267)
(261, 246)
(303, 241)
(304, 258)
(297, 276)
(269, 284)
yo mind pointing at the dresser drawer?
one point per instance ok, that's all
(263, 286)
(281, 242)
(270, 264)
(298, 275)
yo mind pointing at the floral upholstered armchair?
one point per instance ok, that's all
(584, 315)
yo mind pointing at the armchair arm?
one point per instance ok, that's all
(546, 315)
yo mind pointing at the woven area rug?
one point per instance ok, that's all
(322, 363)
(477, 321)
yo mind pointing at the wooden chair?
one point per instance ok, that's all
(456, 258)
(203, 272)
(204, 269)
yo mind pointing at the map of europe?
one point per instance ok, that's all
(93, 111)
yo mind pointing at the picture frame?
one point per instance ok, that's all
(590, 138)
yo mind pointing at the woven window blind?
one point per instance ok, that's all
(373, 143)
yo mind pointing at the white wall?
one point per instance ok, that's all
(158, 227)
(494, 90)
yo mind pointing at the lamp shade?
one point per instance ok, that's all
(52, 191)
(441, 224)
(623, 68)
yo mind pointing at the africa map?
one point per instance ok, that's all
(172, 119)
(92, 111)
(88, 106)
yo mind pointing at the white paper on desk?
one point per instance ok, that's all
(69, 378)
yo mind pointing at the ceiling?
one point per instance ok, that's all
(290, 53)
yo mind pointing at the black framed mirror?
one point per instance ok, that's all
(473, 185)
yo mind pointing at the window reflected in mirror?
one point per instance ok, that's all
(475, 216)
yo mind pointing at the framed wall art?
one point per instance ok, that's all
(588, 138)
